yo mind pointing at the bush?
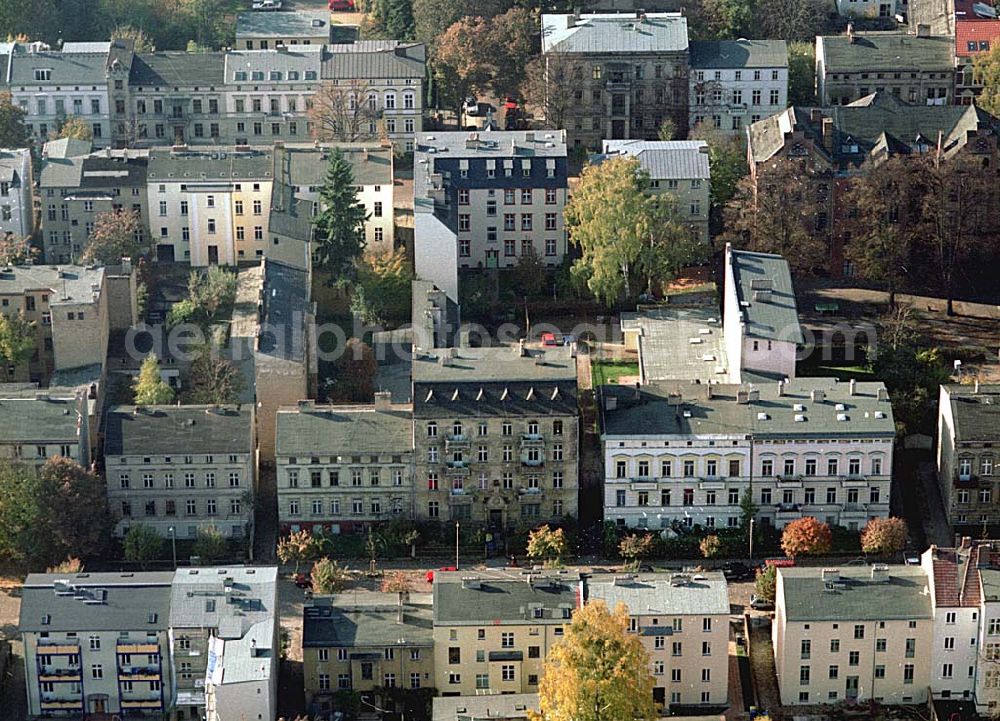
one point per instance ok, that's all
(710, 546)
(766, 584)
(329, 577)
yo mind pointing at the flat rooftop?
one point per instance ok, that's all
(679, 344)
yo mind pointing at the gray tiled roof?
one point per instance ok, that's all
(855, 597)
(976, 415)
(66, 148)
(656, 594)
(665, 159)
(651, 414)
(366, 619)
(67, 68)
(177, 430)
(306, 165)
(776, 318)
(223, 164)
(135, 602)
(498, 601)
(356, 62)
(253, 598)
(67, 283)
(297, 57)
(484, 708)
(286, 307)
(500, 364)
(722, 54)
(28, 420)
(894, 52)
(286, 24)
(249, 657)
(288, 216)
(494, 144)
(614, 33)
(95, 171)
(177, 69)
(343, 429)
(665, 348)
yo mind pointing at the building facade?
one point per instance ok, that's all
(810, 447)
(977, 30)
(495, 434)
(836, 638)
(268, 30)
(968, 464)
(17, 214)
(683, 622)
(344, 467)
(734, 83)
(181, 469)
(39, 424)
(630, 73)
(678, 168)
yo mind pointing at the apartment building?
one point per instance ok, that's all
(36, 425)
(366, 641)
(683, 621)
(341, 468)
(97, 643)
(818, 142)
(870, 9)
(837, 638)
(682, 454)
(68, 305)
(736, 82)
(17, 215)
(73, 189)
(630, 73)
(51, 85)
(181, 469)
(492, 632)
(678, 168)
(760, 315)
(918, 69)
(225, 643)
(495, 434)
(266, 31)
(968, 463)
(485, 200)
(977, 31)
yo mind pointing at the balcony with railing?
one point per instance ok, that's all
(51, 703)
(536, 462)
(456, 440)
(142, 704)
(457, 468)
(532, 440)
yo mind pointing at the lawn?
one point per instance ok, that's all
(606, 372)
(816, 366)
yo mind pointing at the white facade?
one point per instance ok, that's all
(16, 207)
(869, 8)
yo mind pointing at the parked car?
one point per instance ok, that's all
(777, 563)
(549, 339)
(472, 107)
(736, 571)
(430, 574)
(760, 604)
(303, 580)
(342, 5)
(267, 4)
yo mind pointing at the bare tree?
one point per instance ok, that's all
(345, 113)
(551, 82)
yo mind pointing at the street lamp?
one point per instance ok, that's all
(173, 544)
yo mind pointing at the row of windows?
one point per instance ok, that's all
(506, 481)
(529, 510)
(510, 196)
(717, 75)
(317, 507)
(710, 468)
(789, 497)
(151, 508)
(644, 468)
(528, 455)
(190, 480)
(805, 674)
(457, 428)
(187, 460)
(344, 654)
(509, 246)
(41, 451)
(42, 106)
(509, 221)
(357, 477)
(986, 466)
(717, 96)
(367, 674)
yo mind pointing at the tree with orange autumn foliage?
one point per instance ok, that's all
(806, 537)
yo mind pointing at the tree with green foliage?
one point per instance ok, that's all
(667, 129)
(340, 225)
(381, 294)
(181, 312)
(432, 17)
(214, 380)
(75, 127)
(76, 504)
(211, 546)
(748, 509)
(17, 250)
(141, 42)
(528, 277)
(627, 237)
(766, 584)
(393, 17)
(329, 577)
(114, 237)
(149, 387)
(212, 290)
(729, 19)
(355, 370)
(142, 544)
(727, 162)
(13, 133)
(986, 70)
(25, 538)
(18, 339)
(514, 39)
(547, 544)
(802, 73)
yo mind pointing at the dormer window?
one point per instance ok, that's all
(43, 74)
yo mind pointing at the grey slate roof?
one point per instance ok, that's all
(171, 69)
(776, 318)
(177, 430)
(665, 348)
(286, 307)
(96, 171)
(224, 164)
(856, 597)
(66, 148)
(288, 216)
(614, 33)
(484, 708)
(253, 598)
(880, 120)
(305, 165)
(346, 61)
(285, 24)
(724, 54)
(665, 159)
(653, 594)
(497, 364)
(85, 69)
(894, 52)
(297, 57)
(366, 619)
(652, 415)
(494, 144)
(67, 283)
(498, 601)
(132, 600)
(28, 420)
(976, 415)
(343, 429)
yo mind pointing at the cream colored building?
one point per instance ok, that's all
(493, 631)
(683, 621)
(859, 633)
(363, 642)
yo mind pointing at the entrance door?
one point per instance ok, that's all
(660, 695)
(851, 691)
(213, 255)
(618, 129)
(98, 705)
(178, 135)
(165, 253)
(496, 518)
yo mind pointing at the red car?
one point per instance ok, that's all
(549, 339)
(430, 574)
(303, 580)
(342, 5)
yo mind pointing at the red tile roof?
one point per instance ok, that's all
(975, 31)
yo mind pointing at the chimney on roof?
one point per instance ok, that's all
(975, 386)
(818, 395)
(781, 388)
(383, 400)
(610, 403)
(852, 387)
(828, 134)
(521, 350)
(816, 115)
(742, 397)
(637, 394)
(966, 543)
(923, 30)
